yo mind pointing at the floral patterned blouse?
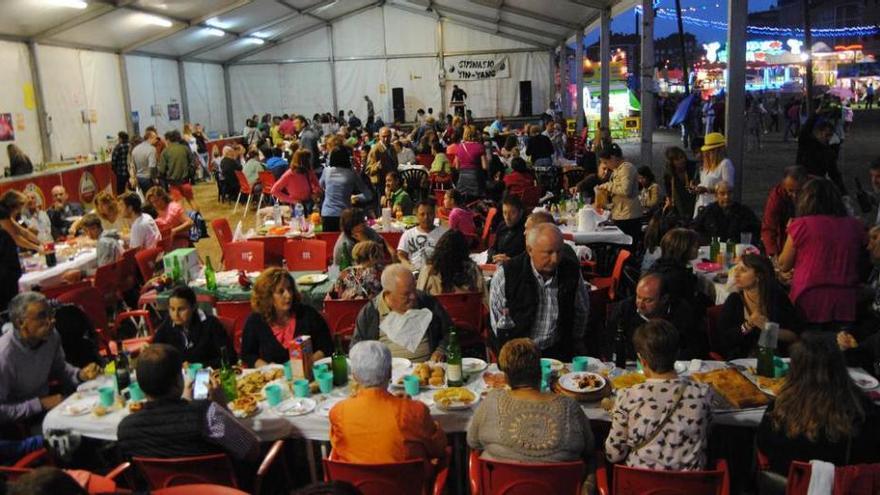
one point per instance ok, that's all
(358, 282)
(681, 442)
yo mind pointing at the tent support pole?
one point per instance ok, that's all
(126, 94)
(441, 79)
(563, 80)
(230, 119)
(40, 103)
(184, 99)
(333, 69)
(605, 63)
(647, 82)
(579, 78)
(735, 87)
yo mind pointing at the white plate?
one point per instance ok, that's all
(399, 364)
(568, 381)
(329, 362)
(312, 279)
(454, 406)
(296, 407)
(397, 374)
(473, 365)
(863, 380)
(240, 415)
(324, 409)
(79, 407)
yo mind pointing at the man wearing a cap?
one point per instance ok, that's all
(626, 210)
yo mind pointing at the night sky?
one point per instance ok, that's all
(702, 9)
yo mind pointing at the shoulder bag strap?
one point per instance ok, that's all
(676, 400)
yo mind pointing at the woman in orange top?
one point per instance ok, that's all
(376, 427)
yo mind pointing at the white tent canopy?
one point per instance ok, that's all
(78, 71)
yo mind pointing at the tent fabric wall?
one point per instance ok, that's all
(75, 81)
(360, 35)
(256, 89)
(355, 79)
(406, 32)
(305, 88)
(419, 79)
(206, 96)
(13, 100)
(457, 38)
(154, 81)
(492, 96)
(312, 45)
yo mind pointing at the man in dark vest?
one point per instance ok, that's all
(171, 425)
(544, 295)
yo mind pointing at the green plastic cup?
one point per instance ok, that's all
(580, 363)
(192, 370)
(273, 394)
(411, 385)
(288, 371)
(546, 364)
(320, 368)
(325, 381)
(106, 396)
(301, 388)
(135, 392)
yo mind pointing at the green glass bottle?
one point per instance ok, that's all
(454, 375)
(210, 275)
(339, 364)
(227, 376)
(345, 262)
(175, 271)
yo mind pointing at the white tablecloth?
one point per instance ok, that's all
(411, 166)
(607, 235)
(315, 425)
(84, 259)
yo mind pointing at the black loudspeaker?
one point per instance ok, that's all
(397, 104)
(525, 98)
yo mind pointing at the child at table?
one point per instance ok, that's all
(460, 218)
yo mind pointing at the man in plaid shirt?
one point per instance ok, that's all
(119, 161)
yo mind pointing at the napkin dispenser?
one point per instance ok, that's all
(588, 219)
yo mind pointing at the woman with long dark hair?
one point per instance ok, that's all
(758, 299)
(198, 336)
(819, 412)
(299, 184)
(680, 173)
(451, 269)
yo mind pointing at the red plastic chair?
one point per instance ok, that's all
(222, 231)
(439, 196)
(848, 480)
(529, 196)
(466, 311)
(206, 469)
(490, 477)
(330, 238)
(654, 482)
(55, 291)
(166, 239)
(410, 477)
(91, 302)
(201, 489)
(613, 282)
(243, 188)
(128, 270)
(341, 315)
(392, 238)
(107, 281)
(237, 311)
(486, 239)
(245, 255)
(146, 260)
(305, 255)
(267, 180)
(713, 314)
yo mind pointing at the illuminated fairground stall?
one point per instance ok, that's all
(624, 107)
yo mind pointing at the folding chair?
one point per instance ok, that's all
(244, 187)
(245, 255)
(305, 255)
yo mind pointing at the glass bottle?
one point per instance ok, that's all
(210, 275)
(454, 376)
(504, 326)
(339, 364)
(123, 373)
(227, 376)
(175, 271)
(620, 348)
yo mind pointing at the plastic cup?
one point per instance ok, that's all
(411, 385)
(135, 392)
(580, 363)
(193, 369)
(273, 394)
(288, 371)
(107, 395)
(320, 368)
(325, 381)
(301, 388)
(546, 364)
(780, 367)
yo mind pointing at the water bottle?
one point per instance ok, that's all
(504, 327)
(276, 214)
(298, 216)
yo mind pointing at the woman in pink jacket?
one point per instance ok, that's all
(299, 184)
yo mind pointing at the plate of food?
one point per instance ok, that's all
(770, 386)
(582, 382)
(432, 376)
(733, 386)
(455, 398)
(863, 380)
(399, 365)
(79, 407)
(473, 365)
(495, 380)
(244, 406)
(627, 380)
(296, 407)
(312, 279)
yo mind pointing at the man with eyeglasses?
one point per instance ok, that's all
(30, 356)
(62, 213)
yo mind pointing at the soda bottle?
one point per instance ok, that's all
(454, 377)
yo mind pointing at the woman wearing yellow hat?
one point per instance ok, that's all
(716, 168)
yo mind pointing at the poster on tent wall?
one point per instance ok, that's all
(7, 130)
(479, 68)
(174, 111)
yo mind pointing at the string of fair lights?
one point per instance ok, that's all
(784, 32)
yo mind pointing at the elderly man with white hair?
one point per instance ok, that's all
(30, 356)
(727, 219)
(544, 295)
(376, 427)
(410, 322)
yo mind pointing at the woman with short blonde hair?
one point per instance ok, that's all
(363, 280)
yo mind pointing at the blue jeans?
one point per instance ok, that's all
(13, 450)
